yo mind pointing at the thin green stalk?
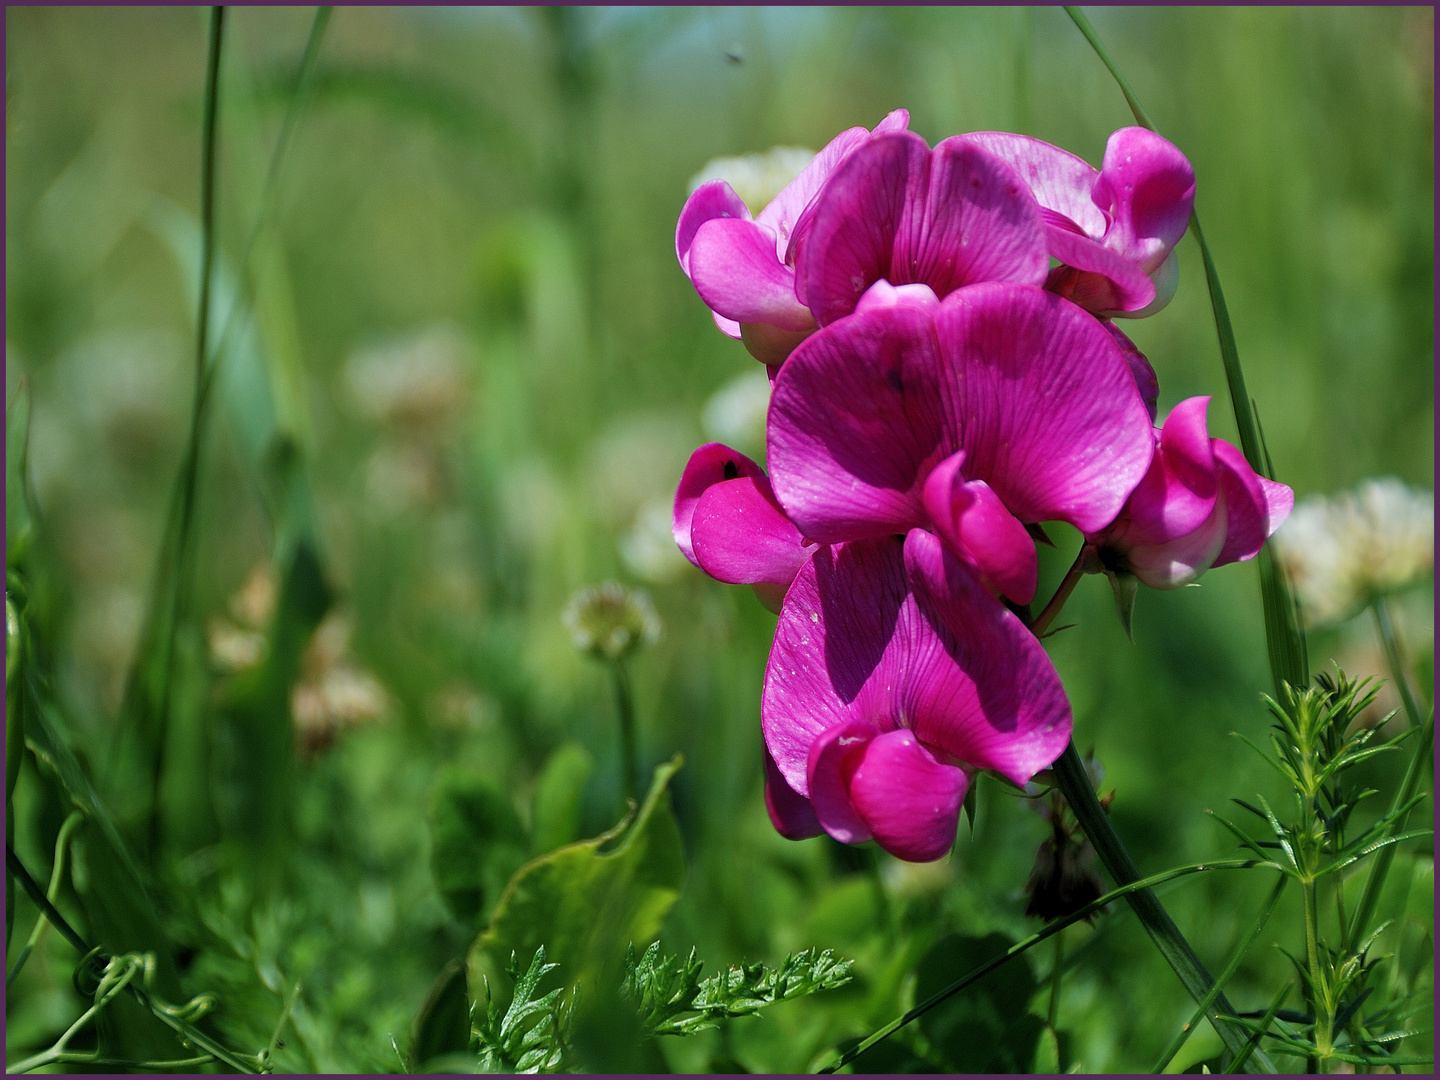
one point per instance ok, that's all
(268, 190)
(1312, 961)
(1241, 1058)
(1284, 641)
(1042, 622)
(1394, 658)
(191, 468)
(111, 985)
(57, 874)
(1074, 784)
(1033, 940)
(1365, 910)
(1242, 948)
(1057, 973)
(625, 705)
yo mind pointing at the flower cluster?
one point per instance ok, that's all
(939, 390)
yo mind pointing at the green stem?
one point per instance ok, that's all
(1284, 642)
(1072, 577)
(191, 466)
(1241, 949)
(57, 873)
(1395, 658)
(1057, 973)
(1033, 940)
(1365, 910)
(625, 705)
(1074, 784)
(1320, 999)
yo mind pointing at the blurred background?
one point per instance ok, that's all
(467, 382)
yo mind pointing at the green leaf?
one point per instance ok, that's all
(1047, 1052)
(558, 795)
(442, 1026)
(988, 1028)
(476, 842)
(580, 901)
(19, 500)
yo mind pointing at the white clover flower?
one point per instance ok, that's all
(1344, 551)
(756, 178)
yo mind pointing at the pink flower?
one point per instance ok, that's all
(744, 269)
(728, 523)
(1199, 505)
(897, 211)
(894, 675)
(1000, 406)
(1115, 229)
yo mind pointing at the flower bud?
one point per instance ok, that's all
(610, 621)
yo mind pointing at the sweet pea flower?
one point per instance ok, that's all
(897, 211)
(744, 267)
(728, 523)
(998, 407)
(895, 676)
(1114, 229)
(1199, 505)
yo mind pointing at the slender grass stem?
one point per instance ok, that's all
(57, 874)
(1284, 640)
(1395, 659)
(625, 706)
(1242, 948)
(1067, 585)
(1030, 942)
(190, 469)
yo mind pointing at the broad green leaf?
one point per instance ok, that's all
(581, 902)
(476, 842)
(558, 797)
(988, 1028)
(442, 1026)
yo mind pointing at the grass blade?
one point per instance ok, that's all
(1284, 640)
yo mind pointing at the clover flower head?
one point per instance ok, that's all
(1344, 551)
(610, 621)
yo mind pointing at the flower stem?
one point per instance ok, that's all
(625, 705)
(1074, 784)
(1072, 577)
(1395, 658)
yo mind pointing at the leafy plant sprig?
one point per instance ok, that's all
(529, 1036)
(672, 999)
(1315, 741)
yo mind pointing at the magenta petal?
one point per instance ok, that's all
(783, 212)
(838, 619)
(715, 199)
(740, 535)
(1059, 180)
(1181, 560)
(884, 295)
(1179, 491)
(850, 238)
(1147, 187)
(728, 327)
(1257, 506)
(855, 425)
(1146, 381)
(974, 523)
(1040, 397)
(735, 271)
(1129, 287)
(790, 812)
(769, 344)
(909, 801)
(969, 678)
(711, 464)
(833, 759)
(974, 220)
